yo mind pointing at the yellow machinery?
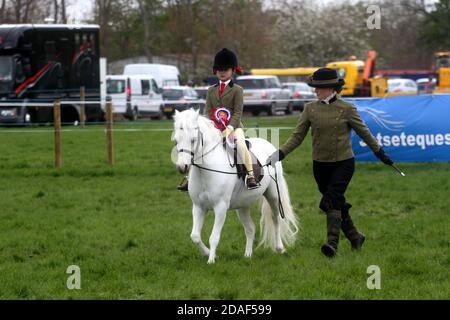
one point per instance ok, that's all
(442, 67)
(352, 72)
(284, 71)
(358, 75)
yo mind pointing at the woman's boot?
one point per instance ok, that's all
(334, 221)
(356, 238)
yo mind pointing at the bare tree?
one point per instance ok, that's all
(103, 11)
(56, 9)
(2, 11)
(63, 12)
(146, 7)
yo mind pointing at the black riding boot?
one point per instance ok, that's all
(334, 221)
(356, 238)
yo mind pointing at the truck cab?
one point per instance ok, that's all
(40, 63)
(442, 67)
(352, 73)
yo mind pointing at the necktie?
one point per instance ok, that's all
(222, 87)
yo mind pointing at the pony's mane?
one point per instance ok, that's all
(187, 119)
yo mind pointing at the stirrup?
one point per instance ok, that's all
(181, 186)
(251, 188)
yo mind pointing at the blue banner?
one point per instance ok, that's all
(410, 128)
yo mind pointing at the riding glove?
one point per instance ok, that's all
(275, 157)
(380, 154)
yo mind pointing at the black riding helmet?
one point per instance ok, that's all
(224, 60)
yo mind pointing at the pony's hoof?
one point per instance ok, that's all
(248, 254)
(211, 260)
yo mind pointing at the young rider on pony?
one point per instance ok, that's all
(224, 105)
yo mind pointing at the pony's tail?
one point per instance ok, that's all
(289, 226)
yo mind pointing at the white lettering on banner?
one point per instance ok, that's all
(395, 141)
(439, 139)
(420, 140)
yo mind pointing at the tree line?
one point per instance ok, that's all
(277, 33)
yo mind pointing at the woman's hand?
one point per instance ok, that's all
(274, 158)
(380, 154)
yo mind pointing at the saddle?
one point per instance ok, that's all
(240, 167)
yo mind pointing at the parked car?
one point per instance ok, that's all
(300, 92)
(183, 98)
(426, 85)
(134, 96)
(264, 93)
(201, 91)
(164, 75)
(402, 87)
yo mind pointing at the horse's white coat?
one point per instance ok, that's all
(220, 192)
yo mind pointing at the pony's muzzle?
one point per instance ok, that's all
(183, 168)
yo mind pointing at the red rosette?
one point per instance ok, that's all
(221, 117)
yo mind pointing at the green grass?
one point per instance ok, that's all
(128, 228)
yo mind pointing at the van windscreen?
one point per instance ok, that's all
(172, 93)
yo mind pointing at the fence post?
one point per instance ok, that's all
(57, 125)
(82, 106)
(109, 131)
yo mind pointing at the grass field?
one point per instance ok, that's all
(127, 227)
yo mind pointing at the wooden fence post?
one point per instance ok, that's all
(57, 125)
(82, 106)
(109, 131)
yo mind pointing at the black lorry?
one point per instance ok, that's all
(39, 63)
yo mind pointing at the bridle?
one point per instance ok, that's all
(193, 153)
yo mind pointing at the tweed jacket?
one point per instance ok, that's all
(331, 126)
(232, 98)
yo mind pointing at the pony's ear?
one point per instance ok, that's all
(176, 113)
(197, 111)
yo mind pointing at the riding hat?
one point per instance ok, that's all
(224, 60)
(325, 78)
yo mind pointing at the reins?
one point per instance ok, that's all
(192, 153)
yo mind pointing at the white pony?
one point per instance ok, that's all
(214, 184)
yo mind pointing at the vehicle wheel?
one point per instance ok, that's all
(272, 109)
(289, 108)
(135, 114)
(255, 113)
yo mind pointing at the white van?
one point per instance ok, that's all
(134, 96)
(165, 75)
